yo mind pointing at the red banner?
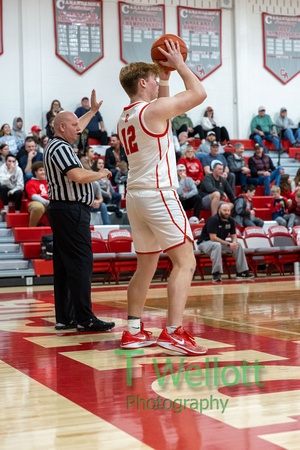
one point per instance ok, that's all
(78, 33)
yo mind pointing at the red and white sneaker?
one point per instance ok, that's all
(180, 341)
(142, 339)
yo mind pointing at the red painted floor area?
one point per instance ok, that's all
(157, 411)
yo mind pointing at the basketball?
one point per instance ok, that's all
(157, 56)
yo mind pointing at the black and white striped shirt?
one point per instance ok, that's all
(59, 158)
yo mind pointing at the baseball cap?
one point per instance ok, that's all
(214, 143)
(194, 219)
(283, 109)
(215, 162)
(181, 167)
(257, 146)
(261, 108)
(209, 108)
(35, 128)
(211, 132)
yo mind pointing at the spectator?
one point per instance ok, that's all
(287, 128)
(279, 206)
(262, 170)
(286, 185)
(262, 128)
(99, 205)
(212, 156)
(193, 165)
(55, 108)
(237, 165)
(122, 174)
(11, 183)
(4, 150)
(188, 194)
(295, 206)
(212, 241)
(14, 143)
(17, 129)
(107, 191)
(296, 182)
(184, 123)
(204, 147)
(50, 128)
(29, 158)
(37, 192)
(35, 130)
(183, 141)
(243, 213)
(44, 142)
(93, 126)
(215, 189)
(86, 157)
(209, 123)
(114, 155)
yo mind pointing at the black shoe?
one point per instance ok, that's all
(95, 324)
(244, 276)
(68, 326)
(216, 277)
(229, 144)
(296, 145)
(119, 214)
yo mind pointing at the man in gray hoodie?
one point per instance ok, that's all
(17, 129)
(288, 130)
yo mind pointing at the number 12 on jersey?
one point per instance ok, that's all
(128, 136)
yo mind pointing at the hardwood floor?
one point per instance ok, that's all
(62, 390)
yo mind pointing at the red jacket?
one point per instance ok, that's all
(295, 208)
(193, 168)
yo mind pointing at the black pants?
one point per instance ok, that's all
(197, 130)
(16, 197)
(72, 261)
(221, 134)
(192, 202)
(100, 135)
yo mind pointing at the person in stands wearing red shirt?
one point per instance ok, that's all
(193, 165)
(37, 192)
(295, 206)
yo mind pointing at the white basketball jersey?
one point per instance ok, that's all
(151, 156)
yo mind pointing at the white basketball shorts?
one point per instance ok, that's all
(157, 219)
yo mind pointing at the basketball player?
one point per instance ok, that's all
(157, 219)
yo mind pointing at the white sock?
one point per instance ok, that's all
(134, 326)
(17, 212)
(171, 330)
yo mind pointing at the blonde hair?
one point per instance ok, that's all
(133, 72)
(297, 193)
(189, 148)
(275, 189)
(123, 166)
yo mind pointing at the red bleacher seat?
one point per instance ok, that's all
(99, 245)
(119, 241)
(33, 234)
(294, 152)
(93, 141)
(262, 252)
(31, 249)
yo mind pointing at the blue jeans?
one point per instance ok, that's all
(289, 135)
(103, 211)
(265, 181)
(269, 137)
(116, 197)
(297, 135)
(240, 179)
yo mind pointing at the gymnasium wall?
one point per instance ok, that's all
(31, 75)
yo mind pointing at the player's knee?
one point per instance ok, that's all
(215, 195)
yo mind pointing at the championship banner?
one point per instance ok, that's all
(140, 26)
(201, 31)
(1, 29)
(78, 32)
(281, 39)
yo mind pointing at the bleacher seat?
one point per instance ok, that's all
(260, 251)
(119, 241)
(289, 252)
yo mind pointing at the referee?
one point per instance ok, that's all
(71, 195)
